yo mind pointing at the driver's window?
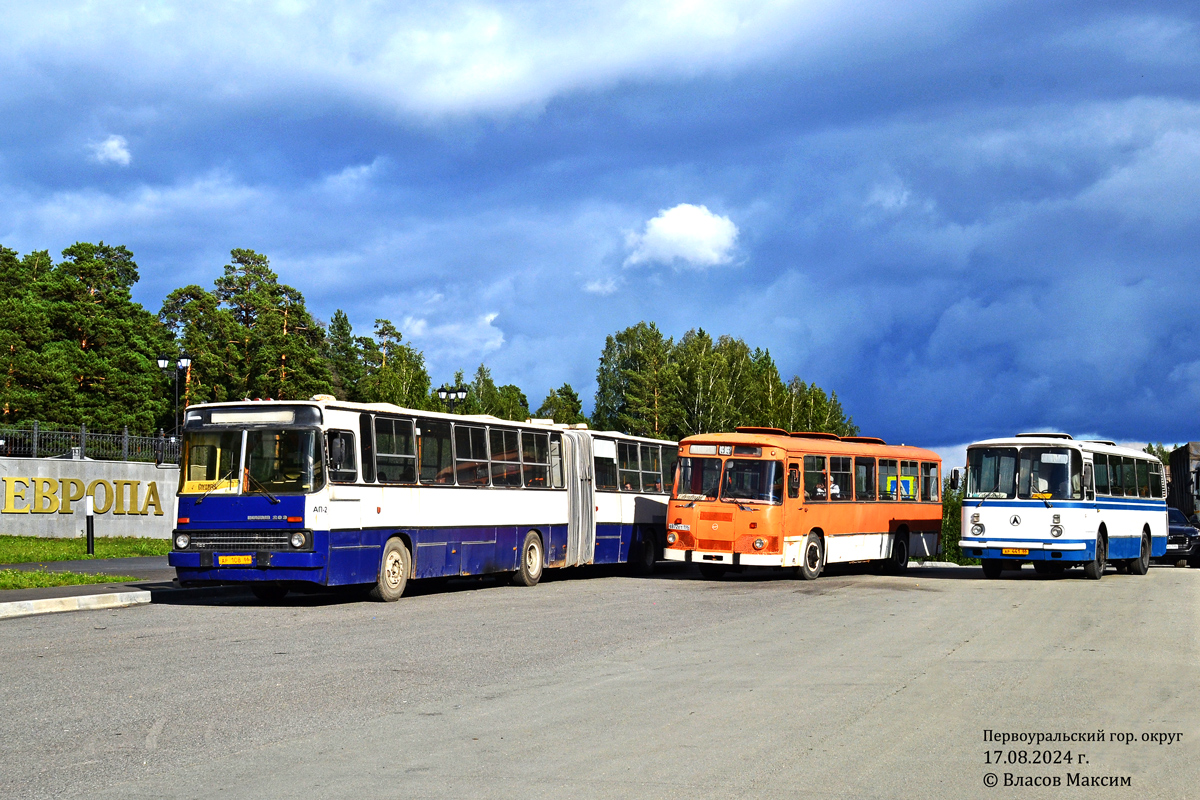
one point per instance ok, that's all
(343, 461)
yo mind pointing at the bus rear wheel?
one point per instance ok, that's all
(645, 557)
(812, 559)
(1141, 564)
(393, 572)
(992, 567)
(1094, 569)
(898, 562)
(529, 572)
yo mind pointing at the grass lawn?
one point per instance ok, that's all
(19, 579)
(24, 549)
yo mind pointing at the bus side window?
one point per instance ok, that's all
(864, 478)
(471, 455)
(1128, 471)
(1100, 471)
(1156, 481)
(841, 481)
(342, 461)
(908, 480)
(888, 478)
(368, 447)
(535, 457)
(556, 460)
(670, 455)
(930, 486)
(651, 468)
(395, 457)
(605, 453)
(627, 462)
(793, 480)
(816, 489)
(1143, 478)
(1088, 492)
(437, 461)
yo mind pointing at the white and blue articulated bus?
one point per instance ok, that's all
(1058, 502)
(282, 495)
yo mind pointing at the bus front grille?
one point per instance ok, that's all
(239, 540)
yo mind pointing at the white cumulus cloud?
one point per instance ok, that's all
(113, 150)
(686, 235)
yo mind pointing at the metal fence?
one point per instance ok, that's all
(35, 440)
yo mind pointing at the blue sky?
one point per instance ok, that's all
(967, 218)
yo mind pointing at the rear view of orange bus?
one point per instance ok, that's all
(763, 497)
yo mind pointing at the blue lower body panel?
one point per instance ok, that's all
(341, 558)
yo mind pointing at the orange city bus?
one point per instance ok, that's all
(764, 497)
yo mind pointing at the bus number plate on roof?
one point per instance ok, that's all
(235, 561)
(1013, 552)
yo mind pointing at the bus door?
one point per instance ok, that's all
(794, 513)
(581, 499)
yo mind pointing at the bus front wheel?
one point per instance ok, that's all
(1141, 564)
(1094, 569)
(992, 567)
(393, 572)
(529, 572)
(812, 559)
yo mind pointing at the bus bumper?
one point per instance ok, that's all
(262, 566)
(1035, 551)
(729, 559)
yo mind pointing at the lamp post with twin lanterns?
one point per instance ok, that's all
(452, 395)
(181, 363)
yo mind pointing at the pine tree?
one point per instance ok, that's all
(345, 355)
(563, 406)
(637, 383)
(394, 371)
(24, 331)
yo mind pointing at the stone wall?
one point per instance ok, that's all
(44, 497)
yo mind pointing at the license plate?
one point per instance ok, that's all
(1172, 547)
(1014, 552)
(234, 561)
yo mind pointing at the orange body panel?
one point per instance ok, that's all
(718, 525)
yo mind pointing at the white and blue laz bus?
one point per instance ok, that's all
(1057, 502)
(281, 495)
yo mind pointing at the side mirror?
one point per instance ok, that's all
(955, 479)
(337, 452)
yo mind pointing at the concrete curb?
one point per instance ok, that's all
(87, 602)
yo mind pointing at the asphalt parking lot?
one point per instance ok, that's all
(594, 684)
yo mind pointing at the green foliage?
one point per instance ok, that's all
(394, 372)
(1160, 452)
(74, 346)
(952, 503)
(345, 357)
(30, 549)
(652, 386)
(252, 336)
(563, 406)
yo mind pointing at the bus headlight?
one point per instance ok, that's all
(297, 540)
(671, 538)
(759, 544)
(182, 541)
(977, 530)
(1056, 530)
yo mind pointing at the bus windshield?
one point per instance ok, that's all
(284, 461)
(1051, 473)
(209, 462)
(753, 481)
(698, 478)
(991, 472)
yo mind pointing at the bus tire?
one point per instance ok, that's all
(1094, 569)
(898, 561)
(1141, 564)
(812, 558)
(645, 557)
(393, 571)
(713, 571)
(992, 567)
(269, 592)
(529, 571)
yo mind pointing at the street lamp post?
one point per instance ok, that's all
(182, 363)
(452, 395)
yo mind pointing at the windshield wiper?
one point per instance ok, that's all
(216, 485)
(251, 479)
